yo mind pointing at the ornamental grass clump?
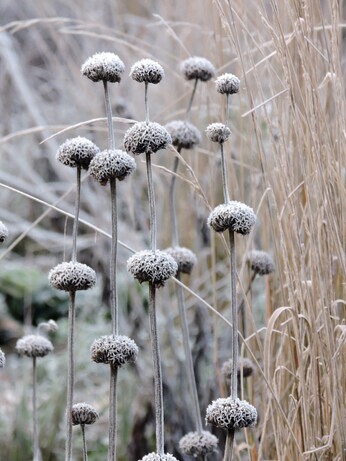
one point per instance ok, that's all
(82, 415)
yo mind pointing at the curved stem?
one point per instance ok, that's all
(113, 261)
(34, 410)
(112, 446)
(70, 375)
(159, 422)
(111, 141)
(151, 203)
(174, 229)
(188, 355)
(241, 309)
(224, 175)
(76, 216)
(188, 110)
(228, 454)
(146, 102)
(85, 452)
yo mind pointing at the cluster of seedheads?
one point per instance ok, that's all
(151, 266)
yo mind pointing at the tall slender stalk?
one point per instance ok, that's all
(112, 445)
(224, 175)
(191, 100)
(85, 452)
(113, 261)
(70, 375)
(76, 216)
(152, 206)
(34, 410)
(174, 228)
(111, 139)
(146, 102)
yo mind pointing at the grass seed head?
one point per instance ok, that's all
(82, 413)
(103, 66)
(218, 132)
(72, 276)
(227, 84)
(233, 215)
(260, 262)
(198, 444)
(145, 137)
(184, 135)
(197, 68)
(149, 266)
(3, 232)
(34, 346)
(111, 164)
(76, 152)
(148, 71)
(184, 257)
(231, 413)
(114, 350)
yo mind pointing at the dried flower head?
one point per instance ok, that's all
(227, 84)
(197, 68)
(157, 457)
(149, 266)
(82, 413)
(233, 215)
(147, 70)
(184, 257)
(111, 164)
(3, 232)
(77, 152)
(103, 66)
(218, 132)
(245, 367)
(184, 135)
(231, 414)
(34, 346)
(50, 327)
(260, 262)
(114, 350)
(72, 276)
(2, 359)
(198, 444)
(145, 137)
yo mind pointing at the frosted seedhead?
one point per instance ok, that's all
(145, 137)
(197, 68)
(233, 215)
(184, 257)
(148, 71)
(33, 346)
(111, 164)
(260, 262)
(103, 66)
(231, 414)
(218, 132)
(157, 457)
(2, 359)
(82, 413)
(72, 276)
(149, 266)
(184, 135)
(3, 232)
(76, 152)
(114, 350)
(227, 84)
(198, 444)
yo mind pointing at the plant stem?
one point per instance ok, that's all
(241, 309)
(188, 355)
(34, 410)
(85, 452)
(227, 109)
(191, 100)
(151, 203)
(76, 216)
(112, 445)
(174, 229)
(113, 261)
(146, 103)
(224, 175)
(111, 141)
(70, 375)
(159, 422)
(228, 454)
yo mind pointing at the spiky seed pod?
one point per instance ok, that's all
(82, 413)
(103, 66)
(184, 257)
(157, 457)
(184, 135)
(231, 413)
(2, 359)
(34, 346)
(218, 132)
(114, 350)
(198, 444)
(260, 262)
(147, 70)
(72, 276)
(3, 232)
(145, 137)
(149, 266)
(197, 68)
(233, 215)
(76, 152)
(111, 164)
(245, 366)
(227, 84)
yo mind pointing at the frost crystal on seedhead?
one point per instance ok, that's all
(227, 84)
(198, 444)
(218, 132)
(231, 414)
(114, 350)
(197, 68)
(34, 346)
(157, 457)
(146, 137)
(149, 266)
(3, 232)
(184, 135)
(148, 71)
(111, 164)
(72, 276)
(260, 262)
(184, 257)
(233, 215)
(103, 66)
(82, 413)
(76, 152)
